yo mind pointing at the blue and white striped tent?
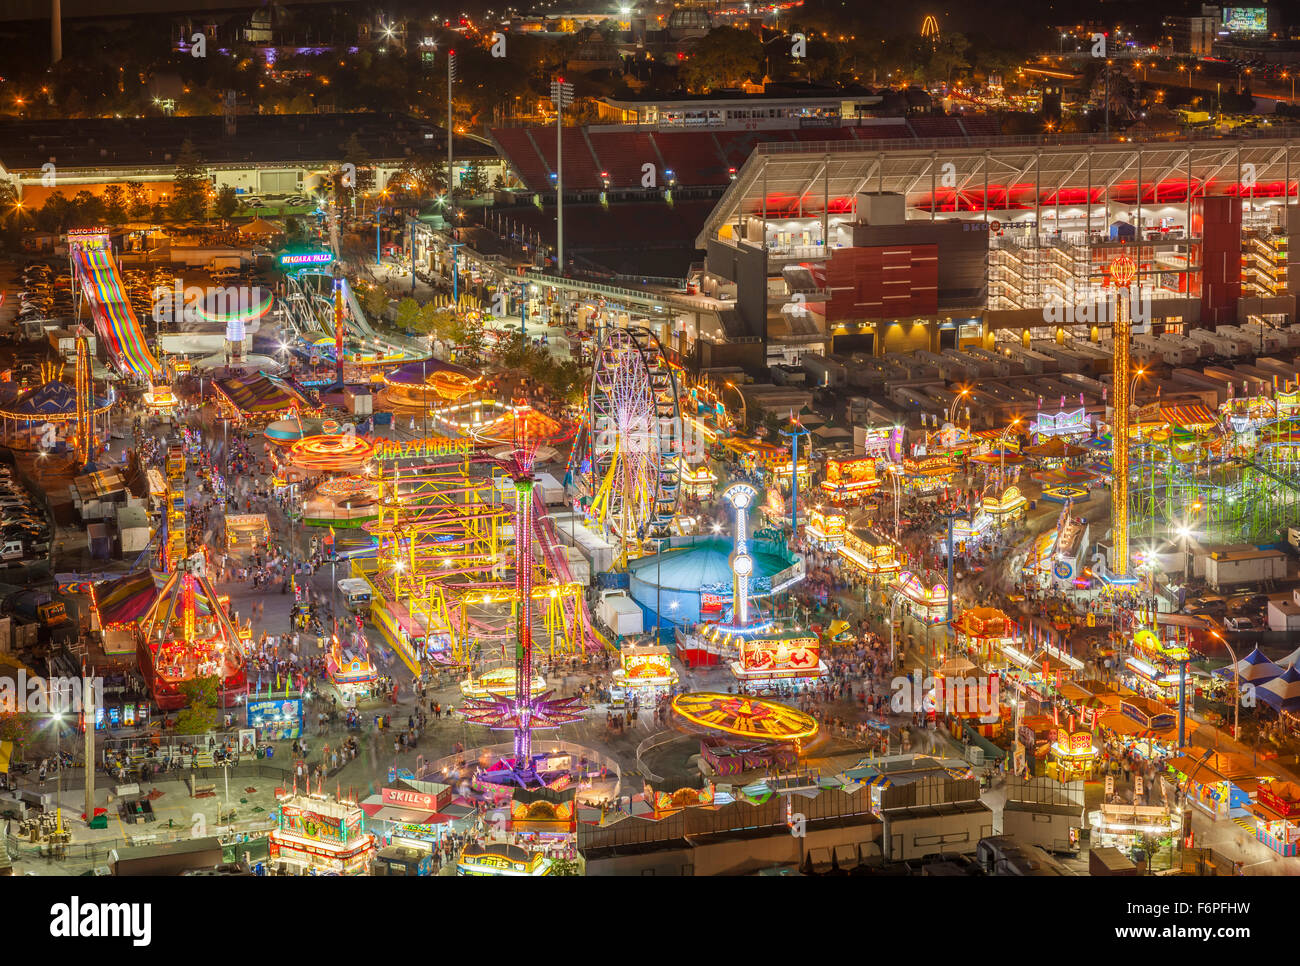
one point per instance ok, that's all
(1254, 668)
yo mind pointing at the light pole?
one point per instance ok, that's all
(952, 410)
(1002, 454)
(1236, 682)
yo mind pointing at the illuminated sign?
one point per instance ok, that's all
(1064, 423)
(389, 449)
(1246, 20)
(653, 665)
(409, 798)
(789, 654)
(307, 258)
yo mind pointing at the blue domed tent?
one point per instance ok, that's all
(695, 566)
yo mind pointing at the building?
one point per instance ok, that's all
(1231, 567)
(1193, 36)
(1053, 218)
(268, 155)
(1284, 615)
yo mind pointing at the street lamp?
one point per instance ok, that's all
(953, 408)
(1002, 453)
(1236, 682)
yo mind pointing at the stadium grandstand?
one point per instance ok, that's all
(597, 157)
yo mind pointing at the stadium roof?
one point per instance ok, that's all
(259, 139)
(807, 179)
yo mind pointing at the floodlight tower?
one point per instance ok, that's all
(1122, 272)
(741, 496)
(794, 431)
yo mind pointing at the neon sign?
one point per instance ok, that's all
(307, 258)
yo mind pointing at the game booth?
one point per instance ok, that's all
(1152, 670)
(698, 482)
(245, 532)
(1145, 727)
(499, 682)
(1276, 815)
(350, 671)
(1005, 507)
(317, 834)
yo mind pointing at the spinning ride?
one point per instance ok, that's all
(523, 712)
(626, 455)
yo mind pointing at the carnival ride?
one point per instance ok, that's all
(1226, 484)
(440, 573)
(313, 301)
(625, 458)
(94, 268)
(187, 635)
(524, 711)
(744, 717)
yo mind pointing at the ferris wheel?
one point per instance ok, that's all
(633, 437)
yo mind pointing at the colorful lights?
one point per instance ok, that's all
(746, 717)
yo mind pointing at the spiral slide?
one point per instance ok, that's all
(115, 321)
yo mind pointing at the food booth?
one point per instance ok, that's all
(316, 834)
(1145, 727)
(827, 526)
(782, 657)
(698, 482)
(849, 479)
(874, 555)
(925, 602)
(499, 683)
(645, 671)
(983, 630)
(1072, 756)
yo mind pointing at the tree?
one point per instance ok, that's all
(466, 332)
(564, 867)
(408, 314)
(137, 201)
(475, 181)
(190, 185)
(115, 204)
(949, 56)
(420, 176)
(227, 203)
(723, 58)
(16, 728)
(200, 714)
(88, 207)
(375, 302)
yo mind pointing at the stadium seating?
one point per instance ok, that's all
(517, 148)
(580, 171)
(693, 157)
(936, 127)
(621, 155)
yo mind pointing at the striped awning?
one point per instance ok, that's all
(1193, 414)
(879, 781)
